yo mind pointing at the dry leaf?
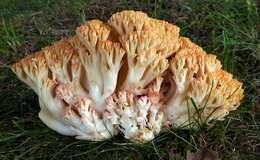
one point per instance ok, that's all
(202, 154)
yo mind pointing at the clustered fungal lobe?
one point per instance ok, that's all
(133, 75)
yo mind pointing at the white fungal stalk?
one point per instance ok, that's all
(138, 116)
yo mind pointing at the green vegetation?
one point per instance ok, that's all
(228, 28)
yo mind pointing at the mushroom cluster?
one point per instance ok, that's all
(133, 75)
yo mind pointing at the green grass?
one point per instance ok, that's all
(227, 28)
